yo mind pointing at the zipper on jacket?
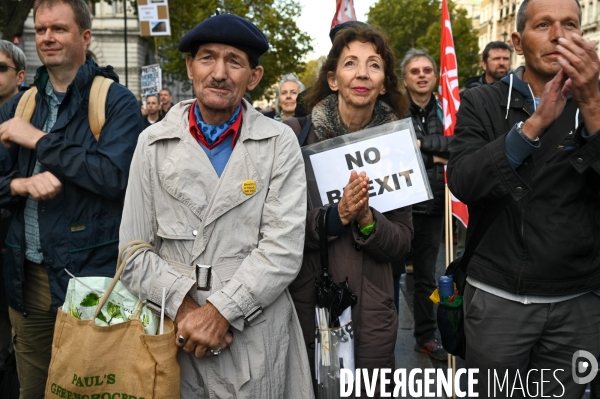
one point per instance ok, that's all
(527, 112)
(523, 224)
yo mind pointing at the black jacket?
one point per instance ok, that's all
(146, 123)
(547, 240)
(433, 142)
(79, 228)
(475, 81)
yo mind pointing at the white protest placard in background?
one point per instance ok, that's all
(391, 161)
(151, 79)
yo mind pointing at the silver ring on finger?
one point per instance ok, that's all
(216, 352)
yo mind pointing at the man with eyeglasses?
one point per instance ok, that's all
(12, 70)
(12, 75)
(419, 76)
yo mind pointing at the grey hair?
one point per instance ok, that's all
(288, 77)
(14, 53)
(416, 53)
(522, 15)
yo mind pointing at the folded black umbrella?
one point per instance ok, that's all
(332, 297)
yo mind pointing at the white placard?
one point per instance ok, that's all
(154, 18)
(391, 163)
(151, 79)
(148, 13)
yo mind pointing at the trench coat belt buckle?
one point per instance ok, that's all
(203, 277)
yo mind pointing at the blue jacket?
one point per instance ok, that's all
(79, 228)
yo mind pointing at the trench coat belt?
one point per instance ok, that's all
(223, 273)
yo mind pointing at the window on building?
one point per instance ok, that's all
(117, 7)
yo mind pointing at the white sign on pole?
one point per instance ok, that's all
(154, 18)
(147, 13)
(388, 154)
(151, 79)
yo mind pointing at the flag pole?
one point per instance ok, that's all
(449, 258)
(450, 99)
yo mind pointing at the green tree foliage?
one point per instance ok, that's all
(12, 16)
(465, 44)
(311, 71)
(276, 18)
(416, 23)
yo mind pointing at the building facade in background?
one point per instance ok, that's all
(108, 47)
(494, 20)
(473, 8)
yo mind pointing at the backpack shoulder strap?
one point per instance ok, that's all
(97, 104)
(305, 130)
(26, 104)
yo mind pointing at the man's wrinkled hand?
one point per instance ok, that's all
(202, 328)
(43, 186)
(21, 132)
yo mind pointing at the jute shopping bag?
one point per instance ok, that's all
(117, 361)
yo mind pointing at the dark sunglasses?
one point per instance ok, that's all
(4, 67)
(417, 71)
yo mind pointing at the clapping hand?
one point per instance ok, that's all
(354, 204)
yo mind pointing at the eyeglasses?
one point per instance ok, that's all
(417, 71)
(4, 67)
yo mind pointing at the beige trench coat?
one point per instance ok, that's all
(254, 243)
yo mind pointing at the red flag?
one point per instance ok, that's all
(344, 12)
(449, 95)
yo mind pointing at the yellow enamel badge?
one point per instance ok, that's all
(249, 187)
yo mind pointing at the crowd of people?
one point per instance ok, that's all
(211, 181)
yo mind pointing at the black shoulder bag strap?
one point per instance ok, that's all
(323, 244)
(494, 208)
(304, 132)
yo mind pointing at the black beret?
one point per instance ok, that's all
(344, 25)
(227, 29)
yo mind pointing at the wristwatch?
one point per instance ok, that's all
(519, 127)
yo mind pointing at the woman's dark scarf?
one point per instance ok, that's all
(328, 124)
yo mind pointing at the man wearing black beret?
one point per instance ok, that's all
(222, 190)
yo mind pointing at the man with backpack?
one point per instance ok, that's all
(63, 172)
